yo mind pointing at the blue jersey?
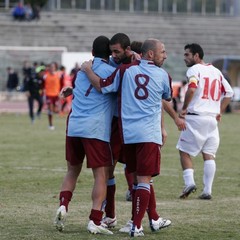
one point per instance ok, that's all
(92, 111)
(113, 63)
(141, 87)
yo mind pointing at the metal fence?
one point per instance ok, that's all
(202, 7)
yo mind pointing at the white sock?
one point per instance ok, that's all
(188, 177)
(209, 170)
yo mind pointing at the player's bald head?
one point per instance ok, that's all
(154, 50)
(150, 44)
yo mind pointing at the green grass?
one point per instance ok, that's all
(32, 166)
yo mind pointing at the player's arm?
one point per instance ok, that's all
(228, 94)
(93, 78)
(164, 132)
(168, 107)
(180, 122)
(224, 103)
(188, 98)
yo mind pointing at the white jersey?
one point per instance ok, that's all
(210, 86)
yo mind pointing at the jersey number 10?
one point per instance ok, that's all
(214, 87)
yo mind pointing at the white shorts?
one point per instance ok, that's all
(201, 135)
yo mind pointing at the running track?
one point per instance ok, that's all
(13, 107)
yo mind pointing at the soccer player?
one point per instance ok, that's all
(141, 86)
(121, 53)
(88, 133)
(51, 91)
(207, 97)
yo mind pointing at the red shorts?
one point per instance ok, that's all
(142, 158)
(98, 153)
(52, 100)
(115, 141)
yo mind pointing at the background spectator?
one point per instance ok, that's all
(28, 12)
(18, 12)
(13, 80)
(36, 12)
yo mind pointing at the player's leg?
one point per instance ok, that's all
(128, 226)
(66, 192)
(209, 151)
(56, 104)
(30, 105)
(40, 105)
(190, 144)
(50, 112)
(110, 216)
(188, 174)
(98, 201)
(75, 155)
(69, 184)
(147, 157)
(155, 221)
(99, 159)
(129, 178)
(141, 201)
(209, 170)
(99, 188)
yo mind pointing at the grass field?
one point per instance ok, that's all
(32, 166)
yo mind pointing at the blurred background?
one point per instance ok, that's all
(62, 31)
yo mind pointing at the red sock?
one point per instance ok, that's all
(110, 205)
(133, 197)
(141, 200)
(96, 216)
(151, 210)
(65, 197)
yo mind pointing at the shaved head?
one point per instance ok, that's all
(154, 50)
(150, 44)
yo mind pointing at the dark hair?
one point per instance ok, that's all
(195, 48)
(136, 46)
(122, 39)
(101, 47)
